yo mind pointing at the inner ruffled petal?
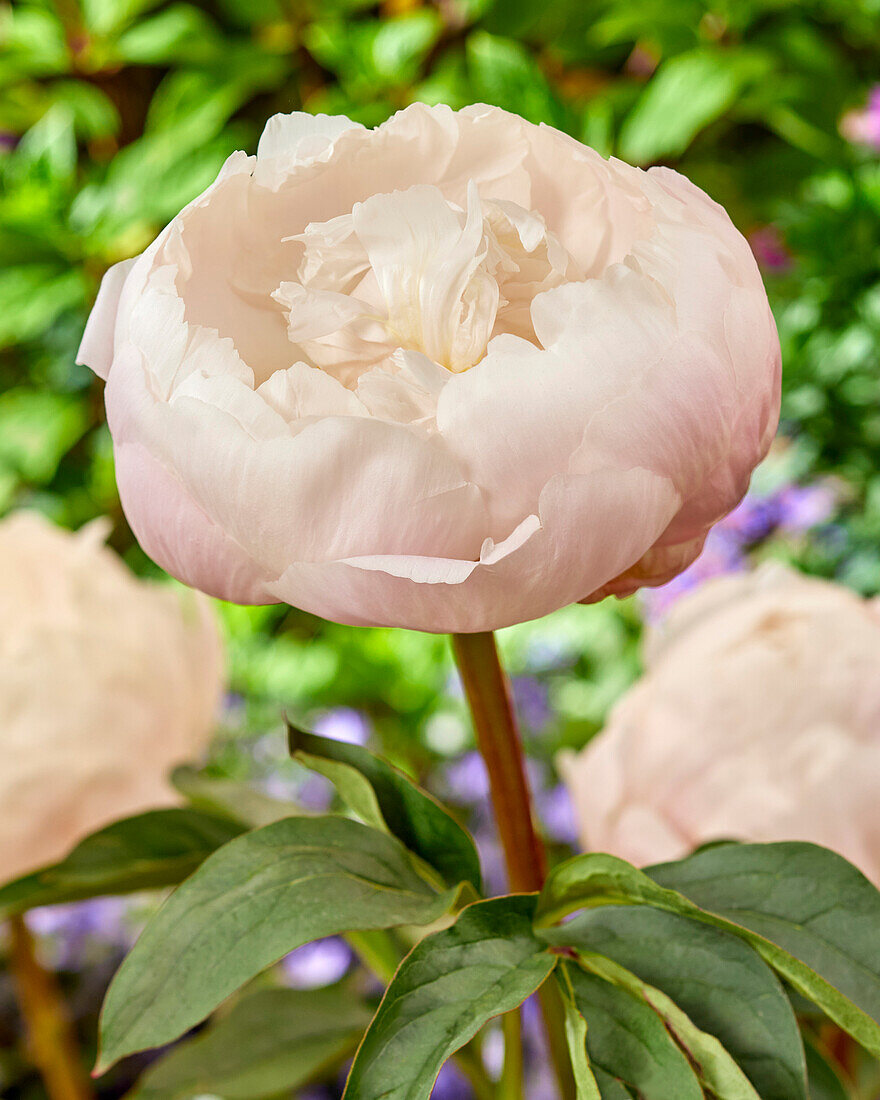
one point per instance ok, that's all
(412, 271)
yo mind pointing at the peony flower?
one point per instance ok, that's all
(448, 374)
(758, 719)
(106, 682)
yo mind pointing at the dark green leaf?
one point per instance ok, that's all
(445, 990)
(803, 895)
(626, 1038)
(716, 1070)
(807, 900)
(158, 848)
(719, 981)
(270, 1042)
(610, 1087)
(250, 903)
(410, 813)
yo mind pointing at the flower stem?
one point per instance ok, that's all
(488, 696)
(51, 1041)
(510, 1087)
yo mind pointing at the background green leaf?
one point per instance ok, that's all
(271, 1041)
(689, 91)
(157, 848)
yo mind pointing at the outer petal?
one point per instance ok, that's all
(341, 485)
(177, 534)
(590, 525)
(297, 139)
(96, 346)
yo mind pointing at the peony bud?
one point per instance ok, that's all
(106, 682)
(758, 719)
(448, 374)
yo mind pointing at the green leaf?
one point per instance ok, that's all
(32, 298)
(250, 903)
(717, 1071)
(270, 1042)
(626, 1038)
(411, 814)
(445, 990)
(806, 900)
(779, 888)
(611, 1088)
(687, 93)
(37, 428)
(507, 74)
(158, 848)
(576, 1037)
(231, 798)
(719, 981)
(180, 32)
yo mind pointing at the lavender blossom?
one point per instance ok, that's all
(320, 963)
(343, 724)
(74, 935)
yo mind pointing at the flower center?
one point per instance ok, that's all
(410, 270)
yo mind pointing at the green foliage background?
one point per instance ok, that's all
(114, 113)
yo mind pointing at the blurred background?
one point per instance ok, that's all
(114, 113)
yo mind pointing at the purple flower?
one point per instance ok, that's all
(532, 702)
(467, 779)
(344, 724)
(315, 793)
(722, 554)
(491, 860)
(315, 964)
(451, 1084)
(769, 249)
(74, 934)
(753, 519)
(557, 814)
(802, 507)
(862, 126)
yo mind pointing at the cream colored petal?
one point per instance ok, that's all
(294, 140)
(96, 347)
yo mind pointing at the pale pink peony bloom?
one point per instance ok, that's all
(448, 374)
(758, 719)
(106, 682)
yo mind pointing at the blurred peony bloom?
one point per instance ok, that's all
(758, 719)
(448, 374)
(106, 682)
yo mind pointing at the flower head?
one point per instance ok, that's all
(758, 719)
(448, 374)
(106, 683)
